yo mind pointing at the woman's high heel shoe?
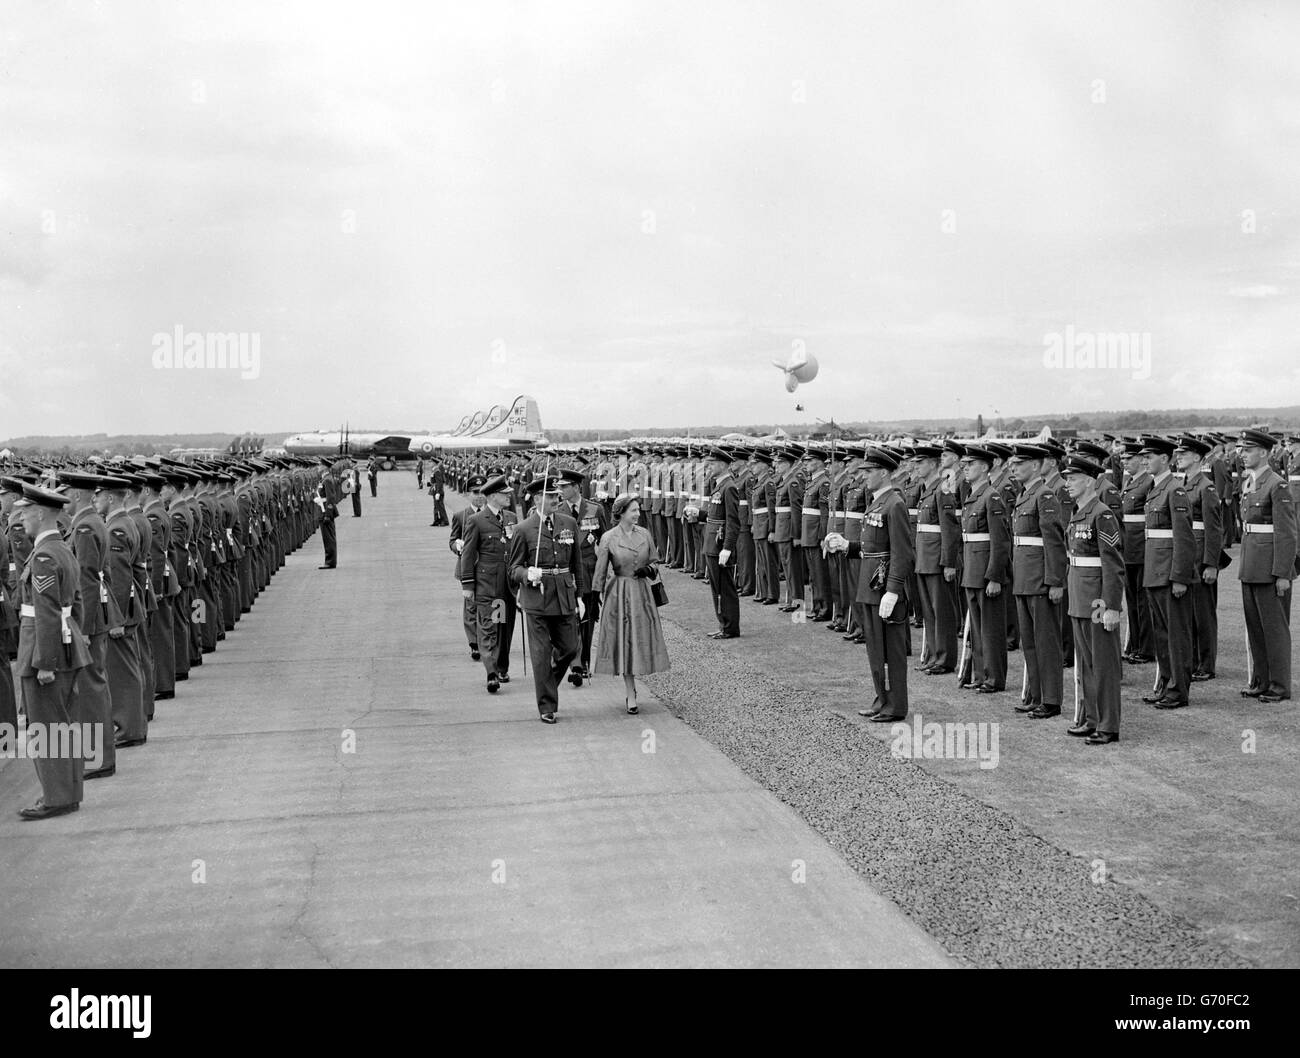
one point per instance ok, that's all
(631, 705)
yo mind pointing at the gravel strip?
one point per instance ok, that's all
(977, 880)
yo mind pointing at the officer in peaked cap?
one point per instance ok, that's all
(786, 499)
(1207, 532)
(1133, 495)
(986, 569)
(51, 649)
(546, 564)
(721, 542)
(485, 581)
(592, 525)
(1267, 568)
(456, 542)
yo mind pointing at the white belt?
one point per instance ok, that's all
(928, 528)
(744, 503)
(855, 515)
(27, 610)
(1135, 517)
(913, 512)
(781, 510)
(975, 538)
(656, 492)
(1293, 477)
(1028, 541)
(837, 514)
(812, 510)
(1160, 534)
(1253, 527)
(1085, 560)
(760, 510)
(1198, 525)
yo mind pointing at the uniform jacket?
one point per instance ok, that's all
(49, 636)
(89, 540)
(886, 551)
(787, 502)
(939, 544)
(1207, 520)
(722, 528)
(162, 575)
(1133, 498)
(458, 521)
(8, 603)
(1168, 559)
(1037, 516)
(760, 513)
(985, 515)
(124, 551)
(1094, 534)
(482, 563)
(1266, 557)
(593, 523)
(554, 547)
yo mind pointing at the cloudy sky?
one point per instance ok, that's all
(629, 209)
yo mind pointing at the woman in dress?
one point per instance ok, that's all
(631, 638)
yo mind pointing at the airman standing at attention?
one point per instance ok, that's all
(456, 542)
(1039, 573)
(836, 563)
(938, 542)
(887, 559)
(1207, 533)
(592, 525)
(10, 488)
(745, 559)
(438, 490)
(484, 579)
(1169, 568)
(787, 499)
(1268, 565)
(546, 565)
(766, 582)
(125, 671)
(1133, 495)
(857, 498)
(721, 532)
(700, 492)
(986, 568)
(1096, 557)
(814, 515)
(51, 647)
(162, 626)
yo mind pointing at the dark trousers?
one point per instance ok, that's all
(853, 608)
(1139, 612)
(495, 628)
(773, 570)
(439, 511)
(820, 575)
(162, 643)
(1098, 672)
(764, 578)
(1067, 629)
(988, 637)
(553, 643)
(181, 629)
(674, 554)
(659, 531)
(1040, 642)
(55, 703)
(1268, 637)
(886, 643)
(331, 541)
(587, 628)
(697, 537)
(145, 650)
(688, 547)
(726, 600)
(939, 613)
(745, 561)
(8, 695)
(792, 564)
(356, 503)
(1205, 625)
(469, 618)
(374, 485)
(210, 595)
(95, 699)
(1171, 625)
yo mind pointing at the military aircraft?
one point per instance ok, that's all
(389, 449)
(517, 427)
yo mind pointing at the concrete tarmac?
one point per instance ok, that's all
(334, 787)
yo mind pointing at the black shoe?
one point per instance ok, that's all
(324, 567)
(1174, 703)
(1201, 677)
(1140, 659)
(40, 810)
(1045, 712)
(1154, 696)
(937, 670)
(493, 683)
(1028, 707)
(819, 618)
(724, 635)
(163, 696)
(988, 688)
(503, 677)
(1079, 730)
(1101, 738)
(127, 743)
(474, 655)
(869, 713)
(181, 677)
(1251, 692)
(880, 718)
(101, 773)
(1271, 698)
(789, 609)
(770, 602)
(835, 627)
(575, 677)
(548, 718)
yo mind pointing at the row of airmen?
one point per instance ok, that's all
(991, 531)
(117, 578)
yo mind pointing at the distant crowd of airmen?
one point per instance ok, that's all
(116, 578)
(1085, 558)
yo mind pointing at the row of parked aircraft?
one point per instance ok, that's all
(516, 426)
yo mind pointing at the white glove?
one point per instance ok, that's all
(887, 603)
(582, 610)
(534, 576)
(835, 542)
(724, 556)
(459, 545)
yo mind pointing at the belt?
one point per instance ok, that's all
(837, 514)
(743, 503)
(913, 512)
(928, 527)
(1293, 477)
(1160, 534)
(557, 571)
(812, 510)
(760, 510)
(781, 510)
(1198, 525)
(27, 610)
(975, 538)
(855, 515)
(1085, 560)
(1257, 527)
(656, 492)
(1028, 541)
(1135, 517)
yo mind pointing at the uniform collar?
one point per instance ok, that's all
(42, 536)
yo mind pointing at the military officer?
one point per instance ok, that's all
(1169, 568)
(51, 648)
(767, 575)
(746, 572)
(592, 525)
(1133, 497)
(456, 541)
(721, 534)
(545, 563)
(814, 516)
(888, 558)
(938, 543)
(10, 488)
(787, 497)
(1207, 533)
(1267, 568)
(484, 581)
(1039, 570)
(125, 670)
(986, 568)
(1096, 592)
(162, 626)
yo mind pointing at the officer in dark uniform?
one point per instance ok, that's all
(1133, 496)
(547, 566)
(593, 522)
(484, 580)
(938, 543)
(1268, 565)
(1169, 569)
(986, 569)
(126, 680)
(1096, 592)
(786, 512)
(1207, 532)
(328, 498)
(456, 542)
(721, 535)
(888, 559)
(438, 490)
